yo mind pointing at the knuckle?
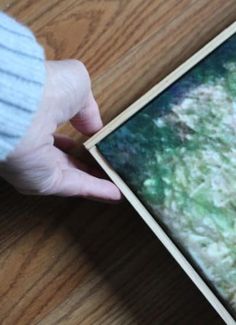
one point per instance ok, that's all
(45, 186)
(82, 71)
(79, 82)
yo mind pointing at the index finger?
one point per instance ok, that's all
(88, 119)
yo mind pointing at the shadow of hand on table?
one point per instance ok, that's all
(95, 256)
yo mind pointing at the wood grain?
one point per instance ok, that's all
(69, 261)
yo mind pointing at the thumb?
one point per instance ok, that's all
(75, 182)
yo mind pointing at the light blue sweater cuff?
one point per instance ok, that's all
(22, 76)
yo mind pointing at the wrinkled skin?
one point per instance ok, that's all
(39, 164)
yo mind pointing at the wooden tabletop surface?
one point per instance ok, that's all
(70, 261)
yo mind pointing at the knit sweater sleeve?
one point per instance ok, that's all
(22, 75)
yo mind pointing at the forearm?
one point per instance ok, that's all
(22, 75)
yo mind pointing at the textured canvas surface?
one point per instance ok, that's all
(178, 154)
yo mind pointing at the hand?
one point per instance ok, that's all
(39, 164)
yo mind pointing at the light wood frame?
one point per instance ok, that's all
(133, 199)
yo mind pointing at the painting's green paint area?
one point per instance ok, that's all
(179, 156)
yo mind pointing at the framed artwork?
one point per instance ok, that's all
(173, 155)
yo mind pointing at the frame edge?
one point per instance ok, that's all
(161, 86)
(165, 239)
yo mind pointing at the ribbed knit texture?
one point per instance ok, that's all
(22, 75)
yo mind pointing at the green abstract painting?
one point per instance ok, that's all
(178, 154)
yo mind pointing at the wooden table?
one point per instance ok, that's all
(70, 261)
